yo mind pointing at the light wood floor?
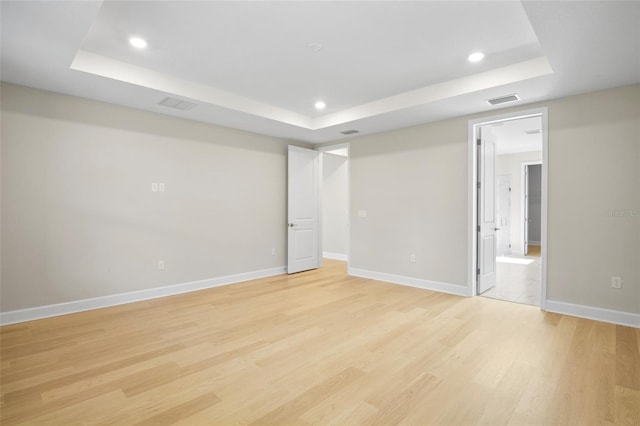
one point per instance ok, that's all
(319, 348)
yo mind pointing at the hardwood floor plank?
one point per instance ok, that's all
(73, 378)
(80, 412)
(292, 410)
(600, 385)
(395, 409)
(627, 408)
(627, 358)
(173, 414)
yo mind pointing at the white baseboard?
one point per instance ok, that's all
(335, 256)
(47, 311)
(458, 290)
(589, 312)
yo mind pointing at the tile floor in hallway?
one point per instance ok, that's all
(517, 281)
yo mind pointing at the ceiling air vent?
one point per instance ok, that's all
(177, 104)
(349, 132)
(504, 99)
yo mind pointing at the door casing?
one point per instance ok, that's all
(504, 209)
(473, 126)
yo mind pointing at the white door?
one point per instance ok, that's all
(486, 210)
(303, 210)
(503, 214)
(525, 238)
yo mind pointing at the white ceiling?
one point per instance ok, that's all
(515, 136)
(381, 65)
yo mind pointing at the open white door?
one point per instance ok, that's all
(487, 243)
(303, 210)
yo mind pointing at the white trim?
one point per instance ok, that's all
(458, 290)
(47, 311)
(335, 256)
(598, 314)
(544, 208)
(326, 148)
(472, 193)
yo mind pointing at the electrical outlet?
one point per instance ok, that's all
(616, 282)
(160, 187)
(154, 186)
(412, 258)
(362, 213)
(161, 265)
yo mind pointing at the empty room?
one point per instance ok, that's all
(319, 212)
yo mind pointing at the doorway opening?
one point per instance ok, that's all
(317, 206)
(334, 200)
(507, 217)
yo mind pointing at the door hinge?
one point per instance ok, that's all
(509, 245)
(479, 141)
(478, 185)
(478, 228)
(478, 271)
(509, 189)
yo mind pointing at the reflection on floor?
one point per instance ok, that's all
(517, 281)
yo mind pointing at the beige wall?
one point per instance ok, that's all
(79, 219)
(511, 164)
(414, 182)
(594, 166)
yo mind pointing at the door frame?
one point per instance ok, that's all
(322, 150)
(524, 207)
(509, 202)
(472, 220)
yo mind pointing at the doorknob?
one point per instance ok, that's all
(291, 225)
(496, 229)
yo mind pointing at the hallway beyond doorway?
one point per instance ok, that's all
(518, 278)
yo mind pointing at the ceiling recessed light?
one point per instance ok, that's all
(476, 57)
(320, 105)
(137, 42)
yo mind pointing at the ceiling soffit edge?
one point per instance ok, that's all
(117, 70)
